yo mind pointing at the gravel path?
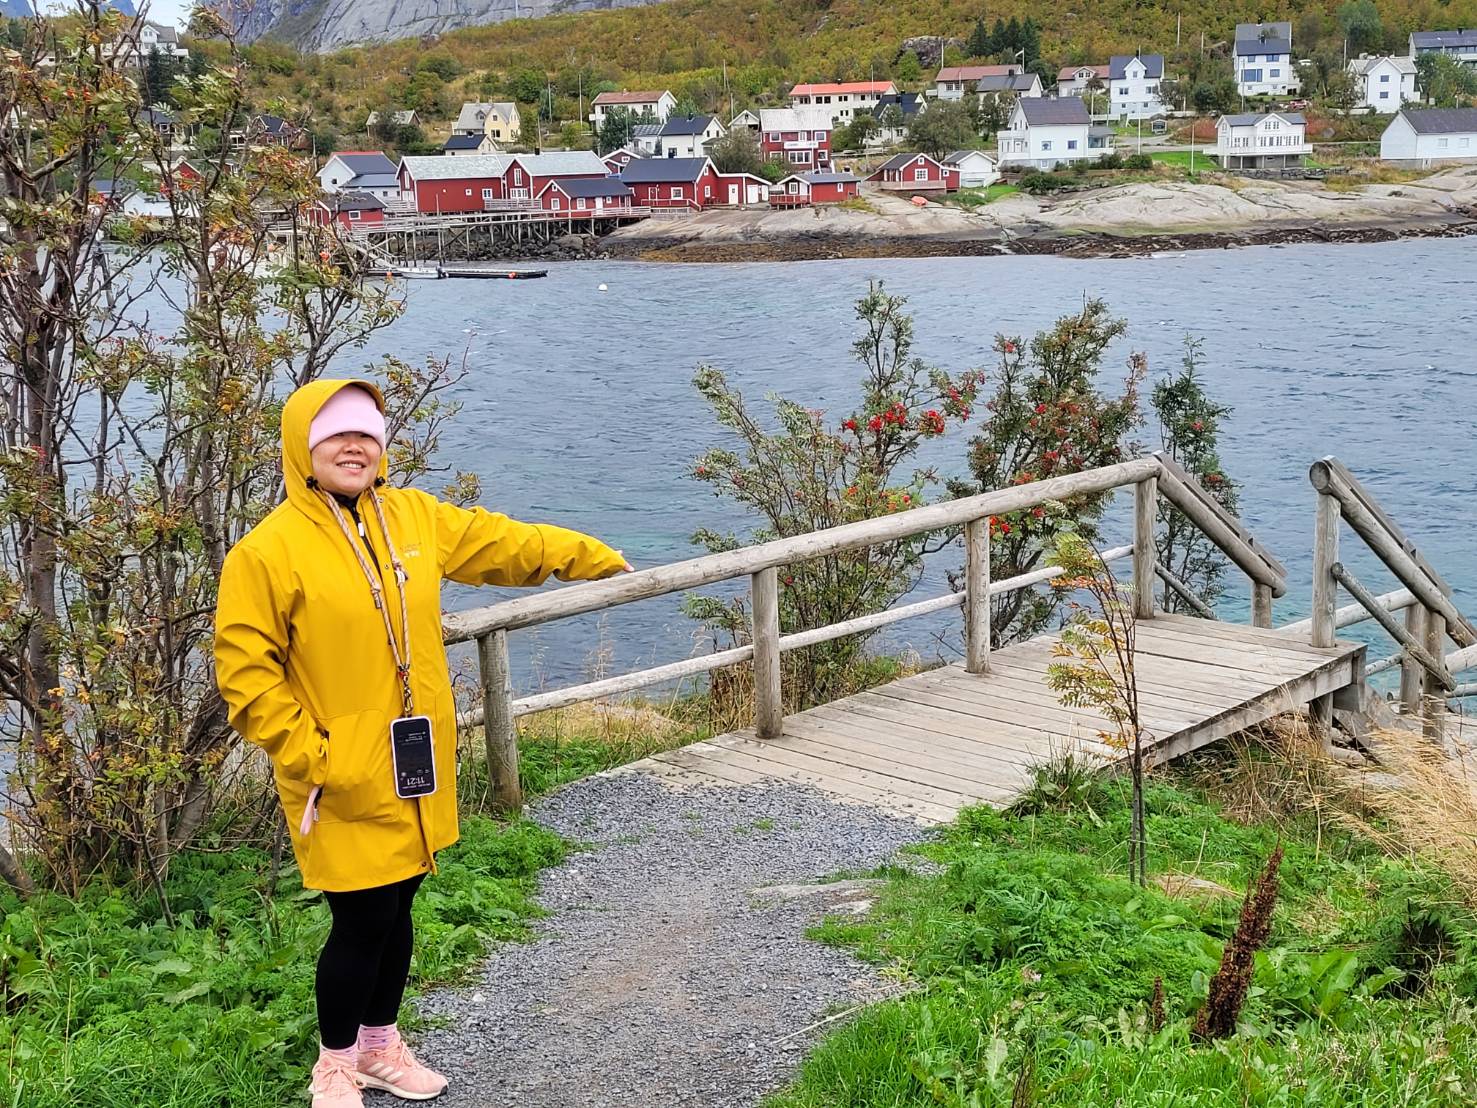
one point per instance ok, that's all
(673, 965)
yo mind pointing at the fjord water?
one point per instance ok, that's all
(579, 407)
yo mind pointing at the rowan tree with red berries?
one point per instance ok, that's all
(1049, 417)
(814, 471)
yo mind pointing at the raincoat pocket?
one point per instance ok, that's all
(361, 780)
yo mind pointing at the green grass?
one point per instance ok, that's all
(101, 1004)
(974, 198)
(1181, 159)
(1033, 962)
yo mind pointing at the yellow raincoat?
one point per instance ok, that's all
(307, 674)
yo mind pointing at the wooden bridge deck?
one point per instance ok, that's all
(928, 745)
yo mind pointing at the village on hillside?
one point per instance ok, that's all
(966, 136)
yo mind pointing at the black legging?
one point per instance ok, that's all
(364, 964)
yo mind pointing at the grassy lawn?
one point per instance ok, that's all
(974, 198)
(1033, 962)
(1181, 160)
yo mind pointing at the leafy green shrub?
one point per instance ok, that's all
(1111, 160)
(1138, 162)
(1035, 182)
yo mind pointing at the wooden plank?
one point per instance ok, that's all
(954, 737)
(1171, 635)
(1145, 515)
(1236, 632)
(764, 599)
(1209, 651)
(1016, 684)
(781, 753)
(674, 767)
(977, 596)
(1040, 714)
(1162, 681)
(1007, 741)
(856, 745)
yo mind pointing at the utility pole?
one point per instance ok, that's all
(1177, 31)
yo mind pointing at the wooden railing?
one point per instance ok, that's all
(1150, 477)
(1430, 617)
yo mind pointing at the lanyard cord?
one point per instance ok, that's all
(402, 662)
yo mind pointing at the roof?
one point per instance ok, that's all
(353, 201)
(959, 155)
(1263, 38)
(166, 34)
(843, 88)
(1014, 82)
(659, 170)
(1069, 72)
(1118, 65)
(437, 167)
(468, 120)
(794, 119)
(825, 178)
(363, 163)
(388, 180)
(1065, 112)
(646, 130)
(276, 125)
(898, 161)
(686, 124)
(588, 188)
(157, 118)
(1444, 40)
(1362, 65)
(465, 142)
(1251, 119)
(975, 72)
(560, 163)
(404, 117)
(1441, 121)
(907, 102)
(630, 97)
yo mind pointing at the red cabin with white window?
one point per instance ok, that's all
(799, 137)
(439, 185)
(802, 190)
(348, 210)
(586, 198)
(915, 173)
(691, 183)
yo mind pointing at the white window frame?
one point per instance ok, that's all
(920, 173)
(354, 215)
(579, 203)
(556, 202)
(677, 193)
(487, 194)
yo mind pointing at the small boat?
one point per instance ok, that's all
(409, 273)
(483, 273)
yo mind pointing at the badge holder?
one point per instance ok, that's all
(414, 756)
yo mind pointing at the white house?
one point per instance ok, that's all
(1267, 141)
(1074, 80)
(1263, 59)
(405, 117)
(744, 118)
(977, 169)
(1425, 135)
(687, 136)
(464, 146)
(951, 82)
(1461, 45)
(366, 171)
(498, 120)
(646, 138)
(844, 100)
(1133, 85)
(1385, 84)
(908, 105)
(1044, 132)
(157, 37)
(659, 104)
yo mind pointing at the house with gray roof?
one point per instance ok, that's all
(461, 146)
(1459, 44)
(1133, 86)
(1266, 140)
(1384, 84)
(1421, 137)
(497, 119)
(1262, 59)
(687, 136)
(1045, 133)
(362, 171)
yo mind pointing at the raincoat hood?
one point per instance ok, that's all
(297, 460)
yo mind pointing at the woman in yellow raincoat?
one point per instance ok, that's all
(328, 629)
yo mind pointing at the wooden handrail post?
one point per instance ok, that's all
(1261, 605)
(1412, 673)
(1325, 554)
(977, 596)
(1435, 705)
(1145, 554)
(769, 711)
(498, 729)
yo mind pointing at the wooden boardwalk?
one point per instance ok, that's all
(928, 745)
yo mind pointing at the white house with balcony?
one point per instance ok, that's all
(842, 101)
(659, 104)
(1044, 132)
(1461, 45)
(1423, 136)
(1077, 80)
(1133, 85)
(1263, 59)
(1274, 140)
(1385, 85)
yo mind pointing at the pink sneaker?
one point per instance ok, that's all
(395, 1070)
(335, 1083)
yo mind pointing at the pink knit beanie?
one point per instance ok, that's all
(349, 409)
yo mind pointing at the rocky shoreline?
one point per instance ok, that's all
(1046, 241)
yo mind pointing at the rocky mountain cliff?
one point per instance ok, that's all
(330, 24)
